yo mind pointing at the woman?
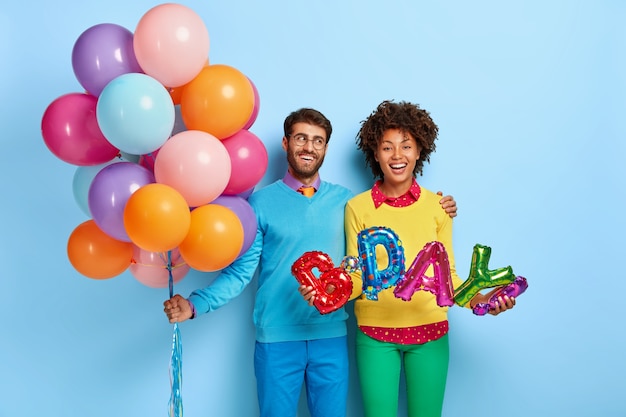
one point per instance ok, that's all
(396, 140)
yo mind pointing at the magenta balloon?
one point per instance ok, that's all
(70, 130)
(147, 160)
(246, 215)
(110, 190)
(101, 53)
(255, 109)
(248, 158)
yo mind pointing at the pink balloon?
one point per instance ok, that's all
(440, 284)
(151, 268)
(171, 44)
(255, 109)
(194, 163)
(248, 158)
(70, 130)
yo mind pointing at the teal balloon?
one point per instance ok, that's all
(83, 177)
(135, 113)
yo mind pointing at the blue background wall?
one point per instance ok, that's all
(529, 97)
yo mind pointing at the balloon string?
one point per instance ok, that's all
(168, 267)
(176, 361)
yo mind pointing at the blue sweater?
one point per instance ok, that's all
(289, 224)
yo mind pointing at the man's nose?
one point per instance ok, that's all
(308, 145)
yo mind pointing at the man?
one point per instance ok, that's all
(294, 343)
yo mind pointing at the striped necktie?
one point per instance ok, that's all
(306, 191)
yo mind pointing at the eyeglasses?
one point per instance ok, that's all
(301, 140)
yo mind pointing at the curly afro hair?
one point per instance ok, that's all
(410, 119)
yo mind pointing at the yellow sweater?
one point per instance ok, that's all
(416, 225)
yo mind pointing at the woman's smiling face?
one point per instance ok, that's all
(397, 153)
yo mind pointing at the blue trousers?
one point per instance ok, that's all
(281, 368)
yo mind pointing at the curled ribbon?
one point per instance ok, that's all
(176, 360)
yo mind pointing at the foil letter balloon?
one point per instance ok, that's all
(333, 286)
(514, 289)
(481, 277)
(415, 279)
(375, 280)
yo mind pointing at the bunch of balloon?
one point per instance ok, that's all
(165, 159)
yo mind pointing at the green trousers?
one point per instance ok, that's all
(425, 371)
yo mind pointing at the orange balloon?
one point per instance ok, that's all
(156, 217)
(214, 240)
(95, 254)
(176, 93)
(219, 101)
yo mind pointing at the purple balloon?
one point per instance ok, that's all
(102, 53)
(110, 190)
(246, 194)
(514, 289)
(246, 215)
